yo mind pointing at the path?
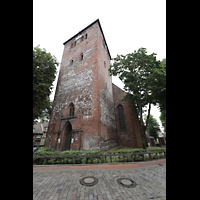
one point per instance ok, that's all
(62, 181)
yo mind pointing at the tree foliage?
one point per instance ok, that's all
(162, 96)
(161, 82)
(142, 77)
(163, 119)
(153, 127)
(44, 73)
(46, 113)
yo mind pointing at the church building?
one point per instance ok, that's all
(88, 112)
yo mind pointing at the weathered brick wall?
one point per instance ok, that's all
(84, 82)
(107, 116)
(87, 84)
(131, 136)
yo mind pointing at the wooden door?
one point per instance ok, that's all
(69, 135)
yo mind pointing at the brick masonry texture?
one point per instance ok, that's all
(84, 82)
(64, 184)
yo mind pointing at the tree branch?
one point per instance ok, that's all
(147, 121)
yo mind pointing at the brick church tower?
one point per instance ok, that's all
(84, 115)
(83, 110)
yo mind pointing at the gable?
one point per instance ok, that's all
(79, 33)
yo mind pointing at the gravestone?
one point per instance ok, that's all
(152, 142)
(161, 141)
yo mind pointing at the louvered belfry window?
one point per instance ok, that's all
(122, 124)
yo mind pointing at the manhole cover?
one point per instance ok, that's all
(125, 182)
(89, 181)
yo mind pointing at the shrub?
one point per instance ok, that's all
(83, 160)
(156, 149)
(90, 160)
(95, 160)
(43, 151)
(123, 151)
(93, 152)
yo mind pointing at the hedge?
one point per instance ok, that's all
(47, 156)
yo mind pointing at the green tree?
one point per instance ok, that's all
(46, 113)
(153, 127)
(162, 93)
(44, 73)
(161, 83)
(163, 119)
(140, 74)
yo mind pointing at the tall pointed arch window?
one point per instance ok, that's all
(122, 123)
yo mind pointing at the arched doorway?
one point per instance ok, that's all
(69, 136)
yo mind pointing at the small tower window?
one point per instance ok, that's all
(86, 36)
(104, 63)
(72, 61)
(82, 56)
(71, 112)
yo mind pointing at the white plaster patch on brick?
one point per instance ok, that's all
(81, 85)
(87, 54)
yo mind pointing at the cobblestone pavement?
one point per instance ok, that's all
(64, 184)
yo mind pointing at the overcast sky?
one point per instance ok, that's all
(127, 26)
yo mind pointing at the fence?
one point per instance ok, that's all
(95, 158)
